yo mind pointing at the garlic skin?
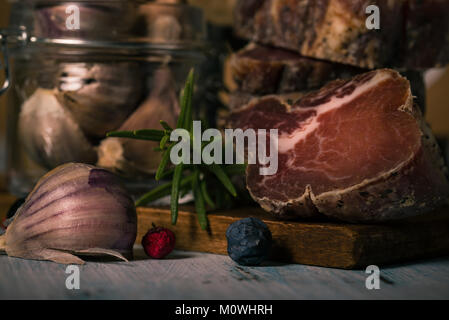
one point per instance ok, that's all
(160, 22)
(100, 96)
(75, 209)
(49, 134)
(130, 156)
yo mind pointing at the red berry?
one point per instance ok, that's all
(158, 242)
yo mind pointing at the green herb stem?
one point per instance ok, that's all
(174, 201)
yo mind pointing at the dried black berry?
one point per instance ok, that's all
(249, 241)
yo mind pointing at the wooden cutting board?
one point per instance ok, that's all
(320, 243)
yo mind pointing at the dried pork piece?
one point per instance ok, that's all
(413, 34)
(331, 30)
(260, 69)
(357, 150)
(240, 99)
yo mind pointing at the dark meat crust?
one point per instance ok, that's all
(258, 70)
(413, 34)
(264, 70)
(239, 99)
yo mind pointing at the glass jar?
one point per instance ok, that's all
(80, 69)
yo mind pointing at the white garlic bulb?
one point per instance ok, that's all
(50, 135)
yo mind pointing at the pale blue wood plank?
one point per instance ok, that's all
(189, 275)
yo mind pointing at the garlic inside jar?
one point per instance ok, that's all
(122, 70)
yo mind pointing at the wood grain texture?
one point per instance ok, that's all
(190, 275)
(328, 244)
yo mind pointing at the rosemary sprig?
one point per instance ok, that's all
(174, 201)
(200, 179)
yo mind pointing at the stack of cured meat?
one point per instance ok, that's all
(356, 148)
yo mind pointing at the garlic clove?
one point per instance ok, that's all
(111, 155)
(100, 96)
(75, 209)
(49, 134)
(129, 155)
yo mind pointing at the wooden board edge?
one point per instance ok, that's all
(331, 246)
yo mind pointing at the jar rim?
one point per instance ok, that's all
(42, 22)
(134, 44)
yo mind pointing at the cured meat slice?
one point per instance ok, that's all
(356, 150)
(335, 30)
(259, 69)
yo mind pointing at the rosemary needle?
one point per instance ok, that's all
(175, 193)
(163, 164)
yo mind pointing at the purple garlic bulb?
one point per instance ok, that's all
(74, 210)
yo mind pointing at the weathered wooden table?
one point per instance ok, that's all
(189, 275)
(192, 275)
